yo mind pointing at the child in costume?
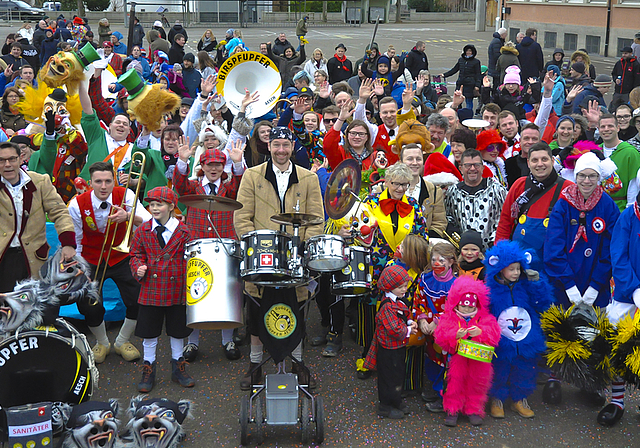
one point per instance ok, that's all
(388, 349)
(518, 296)
(471, 255)
(468, 380)
(157, 261)
(433, 288)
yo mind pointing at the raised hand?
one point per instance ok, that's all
(575, 90)
(323, 91)
(301, 105)
(420, 82)
(249, 98)
(458, 98)
(184, 151)
(346, 111)
(592, 114)
(366, 88)
(237, 151)
(8, 71)
(532, 80)
(407, 96)
(378, 88)
(207, 85)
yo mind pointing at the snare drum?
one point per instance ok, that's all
(475, 350)
(325, 253)
(52, 363)
(355, 278)
(214, 288)
(267, 260)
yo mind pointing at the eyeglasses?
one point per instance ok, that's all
(13, 159)
(468, 166)
(623, 117)
(591, 177)
(358, 134)
(399, 185)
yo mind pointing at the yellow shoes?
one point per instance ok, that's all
(497, 408)
(100, 352)
(128, 351)
(522, 408)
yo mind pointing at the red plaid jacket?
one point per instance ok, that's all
(391, 329)
(164, 284)
(197, 219)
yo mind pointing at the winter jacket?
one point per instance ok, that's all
(138, 35)
(514, 102)
(531, 58)
(176, 54)
(628, 71)
(339, 70)
(120, 48)
(494, 53)
(48, 48)
(156, 43)
(176, 29)
(38, 36)
(161, 32)
(30, 54)
(104, 33)
(12, 121)
(209, 48)
(590, 69)
(191, 79)
(508, 57)
(301, 27)
(574, 107)
(416, 61)
(625, 256)
(63, 34)
(469, 72)
(279, 46)
(146, 68)
(286, 64)
(558, 94)
(311, 66)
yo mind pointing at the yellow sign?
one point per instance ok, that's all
(280, 321)
(199, 280)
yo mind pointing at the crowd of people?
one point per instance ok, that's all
(483, 207)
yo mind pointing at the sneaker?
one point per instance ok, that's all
(179, 373)
(190, 352)
(522, 408)
(231, 352)
(249, 379)
(435, 406)
(148, 377)
(429, 395)
(100, 352)
(404, 407)
(128, 351)
(475, 420)
(334, 345)
(321, 339)
(451, 420)
(390, 412)
(497, 408)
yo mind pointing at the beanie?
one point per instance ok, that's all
(512, 75)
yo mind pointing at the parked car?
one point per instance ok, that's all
(19, 10)
(52, 6)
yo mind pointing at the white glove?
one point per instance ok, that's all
(590, 295)
(636, 297)
(574, 295)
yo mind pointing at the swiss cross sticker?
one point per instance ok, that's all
(40, 412)
(266, 260)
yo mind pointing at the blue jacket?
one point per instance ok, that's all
(120, 48)
(518, 305)
(590, 262)
(625, 256)
(146, 68)
(531, 58)
(191, 79)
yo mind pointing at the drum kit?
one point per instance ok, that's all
(217, 267)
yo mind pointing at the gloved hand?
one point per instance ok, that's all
(50, 122)
(590, 295)
(636, 297)
(574, 295)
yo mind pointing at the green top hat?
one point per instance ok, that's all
(87, 55)
(132, 82)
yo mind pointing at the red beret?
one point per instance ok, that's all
(212, 156)
(163, 194)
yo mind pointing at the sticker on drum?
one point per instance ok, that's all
(346, 270)
(250, 251)
(361, 266)
(199, 280)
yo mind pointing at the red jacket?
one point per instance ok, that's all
(164, 284)
(197, 219)
(336, 153)
(547, 136)
(382, 143)
(391, 329)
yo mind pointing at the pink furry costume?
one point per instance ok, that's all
(467, 381)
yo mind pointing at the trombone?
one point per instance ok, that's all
(138, 162)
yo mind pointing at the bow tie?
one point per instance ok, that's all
(392, 132)
(511, 142)
(389, 205)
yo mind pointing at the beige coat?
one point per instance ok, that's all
(433, 209)
(260, 201)
(40, 200)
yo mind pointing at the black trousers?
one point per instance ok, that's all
(13, 268)
(331, 307)
(390, 375)
(129, 289)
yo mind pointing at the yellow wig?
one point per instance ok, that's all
(33, 104)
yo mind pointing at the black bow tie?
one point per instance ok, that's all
(511, 142)
(104, 205)
(392, 132)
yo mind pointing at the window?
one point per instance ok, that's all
(593, 44)
(621, 44)
(570, 42)
(513, 32)
(550, 39)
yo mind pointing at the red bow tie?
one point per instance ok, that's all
(389, 205)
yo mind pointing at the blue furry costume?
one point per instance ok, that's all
(517, 306)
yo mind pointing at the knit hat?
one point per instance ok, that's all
(189, 57)
(440, 171)
(471, 237)
(564, 118)
(280, 132)
(579, 67)
(163, 194)
(393, 277)
(602, 81)
(118, 34)
(554, 68)
(512, 75)
(384, 60)
(588, 161)
(213, 155)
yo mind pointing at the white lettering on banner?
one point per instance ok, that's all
(21, 345)
(25, 430)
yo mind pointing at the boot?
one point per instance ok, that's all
(179, 373)
(522, 408)
(321, 339)
(451, 420)
(552, 392)
(390, 412)
(610, 414)
(334, 345)
(497, 408)
(148, 377)
(475, 420)
(250, 378)
(304, 375)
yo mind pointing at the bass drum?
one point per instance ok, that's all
(214, 288)
(355, 279)
(52, 363)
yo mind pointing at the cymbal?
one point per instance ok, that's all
(210, 203)
(297, 219)
(342, 189)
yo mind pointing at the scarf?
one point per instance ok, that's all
(532, 187)
(466, 316)
(573, 196)
(389, 205)
(359, 157)
(341, 59)
(206, 41)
